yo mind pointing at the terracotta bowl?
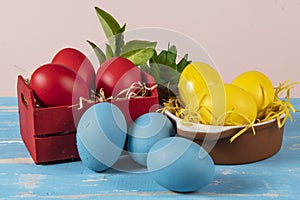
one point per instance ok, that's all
(246, 148)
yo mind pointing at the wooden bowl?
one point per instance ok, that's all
(246, 148)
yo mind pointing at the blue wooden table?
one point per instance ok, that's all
(276, 177)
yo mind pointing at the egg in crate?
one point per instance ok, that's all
(145, 131)
(116, 74)
(180, 165)
(101, 135)
(57, 85)
(77, 62)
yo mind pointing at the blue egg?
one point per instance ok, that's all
(101, 135)
(145, 131)
(180, 165)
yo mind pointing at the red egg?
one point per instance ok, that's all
(57, 85)
(78, 62)
(117, 74)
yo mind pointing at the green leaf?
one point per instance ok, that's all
(119, 41)
(153, 59)
(135, 45)
(164, 66)
(109, 52)
(138, 51)
(99, 53)
(154, 71)
(122, 29)
(171, 57)
(171, 60)
(173, 49)
(182, 63)
(109, 25)
(139, 57)
(162, 57)
(168, 74)
(113, 32)
(145, 68)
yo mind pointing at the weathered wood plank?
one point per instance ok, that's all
(9, 124)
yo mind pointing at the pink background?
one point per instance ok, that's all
(239, 35)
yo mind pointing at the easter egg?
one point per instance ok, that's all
(78, 62)
(196, 76)
(180, 165)
(57, 85)
(258, 85)
(145, 131)
(101, 136)
(116, 74)
(240, 107)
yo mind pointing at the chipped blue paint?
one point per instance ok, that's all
(275, 178)
(9, 121)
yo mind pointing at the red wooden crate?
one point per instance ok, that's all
(49, 133)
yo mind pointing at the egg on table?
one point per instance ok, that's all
(145, 131)
(180, 165)
(101, 135)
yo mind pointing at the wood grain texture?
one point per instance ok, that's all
(275, 178)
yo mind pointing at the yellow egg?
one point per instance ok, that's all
(195, 77)
(258, 85)
(240, 107)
